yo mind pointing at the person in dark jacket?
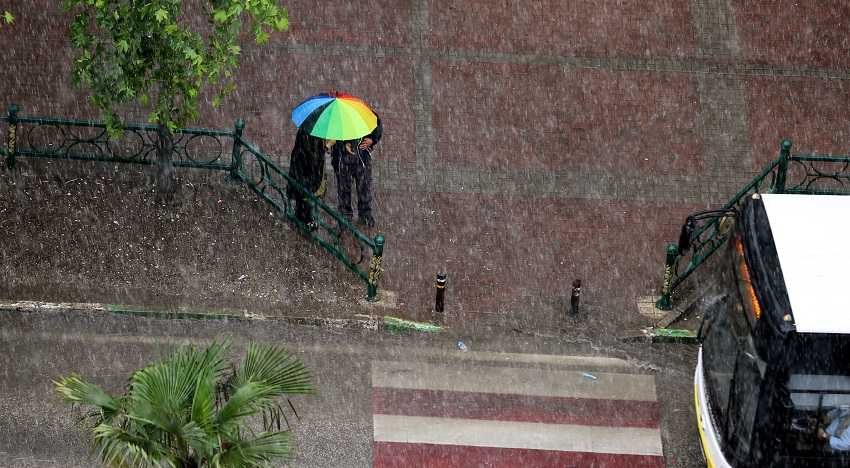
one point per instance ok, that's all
(352, 163)
(307, 167)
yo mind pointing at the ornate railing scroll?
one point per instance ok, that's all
(818, 175)
(40, 137)
(800, 174)
(197, 148)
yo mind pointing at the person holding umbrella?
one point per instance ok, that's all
(307, 167)
(352, 162)
(356, 129)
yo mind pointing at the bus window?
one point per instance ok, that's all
(723, 332)
(818, 382)
(719, 358)
(749, 371)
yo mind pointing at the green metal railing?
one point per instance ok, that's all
(197, 148)
(796, 174)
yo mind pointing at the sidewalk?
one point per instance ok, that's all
(572, 148)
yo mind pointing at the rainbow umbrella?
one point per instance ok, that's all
(335, 116)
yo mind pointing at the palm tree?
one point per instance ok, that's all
(194, 409)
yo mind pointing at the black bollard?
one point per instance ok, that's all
(575, 297)
(439, 301)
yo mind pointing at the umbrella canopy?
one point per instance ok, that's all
(335, 116)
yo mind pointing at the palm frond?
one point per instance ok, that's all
(248, 399)
(77, 390)
(171, 384)
(256, 452)
(121, 448)
(203, 404)
(274, 366)
(202, 442)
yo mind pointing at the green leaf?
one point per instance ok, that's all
(129, 53)
(248, 399)
(160, 15)
(74, 389)
(273, 365)
(220, 16)
(259, 451)
(8, 18)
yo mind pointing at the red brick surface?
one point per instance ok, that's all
(812, 112)
(363, 22)
(544, 117)
(789, 32)
(630, 28)
(500, 251)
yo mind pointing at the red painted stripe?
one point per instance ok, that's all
(394, 454)
(512, 407)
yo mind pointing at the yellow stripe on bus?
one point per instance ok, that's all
(705, 453)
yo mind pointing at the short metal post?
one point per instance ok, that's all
(375, 269)
(236, 153)
(782, 169)
(439, 300)
(12, 137)
(665, 303)
(575, 297)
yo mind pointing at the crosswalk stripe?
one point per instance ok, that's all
(521, 435)
(524, 381)
(512, 407)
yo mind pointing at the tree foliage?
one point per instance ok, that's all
(7, 18)
(146, 51)
(195, 410)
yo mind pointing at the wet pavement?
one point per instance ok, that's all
(371, 385)
(570, 145)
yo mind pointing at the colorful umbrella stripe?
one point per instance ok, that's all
(335, 116)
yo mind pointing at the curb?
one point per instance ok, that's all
(661, 335)
(363, 323)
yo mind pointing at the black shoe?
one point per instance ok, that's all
(367, 221)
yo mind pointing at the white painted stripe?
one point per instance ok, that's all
(525, 358)
(502, 434)
(523, 381)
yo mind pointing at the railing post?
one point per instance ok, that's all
(375, 269)
(782, 169)
(236, 153)
(12, 137)
(665, 303)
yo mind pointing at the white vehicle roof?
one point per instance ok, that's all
(811, 233)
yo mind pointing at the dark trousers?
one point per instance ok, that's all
(349, 170)
(303, 209)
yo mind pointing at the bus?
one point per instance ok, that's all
(772, 379)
